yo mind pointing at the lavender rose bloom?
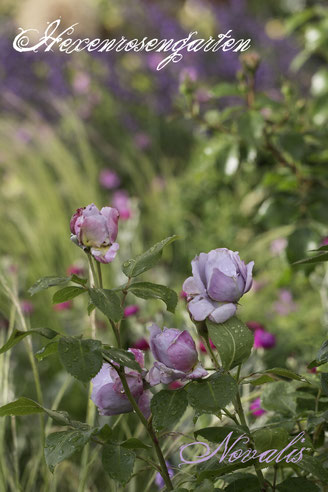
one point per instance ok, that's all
(220, 278)
(96, 230)
(108, 393)
(176, 356)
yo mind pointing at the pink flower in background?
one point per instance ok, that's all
(75, 270)
(324, 241)
(254, 325)
(121, 201)
(313, 370)
(183, 294)
(63, 306)
(258, 285)
(142, 141)
(188, 74)
(256, 409)
(96, 230)
(131, 310)
(109, 179)
(202, 347)
(285, 304)
(278, 246)
(202, 95)
(81, 83)
(264, 339)
(27, 307)
(141, 344)
(153, 60)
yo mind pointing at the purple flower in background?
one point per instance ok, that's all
(121, 202)
(109, 179)
(62, 306)
(254, 325)
(96, 230)
(131, 310)
(264, 339)
(256, 409)
(27, 307)
(159, 481)
(176, 356)
(108, 393)
(142, 141)
(81, 83)
(285, 304)
(141, 344)
(75, 270)
(220, 278)
(278, 246)
(188, 74)
(324, 241)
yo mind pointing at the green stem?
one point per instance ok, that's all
(93, 276)
(210, 351)
(149, 429)
(99, 274)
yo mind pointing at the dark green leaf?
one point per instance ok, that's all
(225, 89)
(18, 335)
(78, 280)
(313, 259)
(122, 357)
(297, 484)
(286, 373)
(324, 382)
(233, 340)
(134, 443)
(118, 462)
(205, 486)
(313, 465)
(279, 397)
(322, 356)
(142, 263)
(147, 290)
(218, 434)
(46, 282)
(249, 484)
(270, 438)
(259, 380)
(49, 349)
(81, 358)
(61, 445)
(107, 302)
(104, 433)
(67, 293)
(212, 394)
(167, 408)
(250, 126)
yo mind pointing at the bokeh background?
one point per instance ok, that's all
(223, 151)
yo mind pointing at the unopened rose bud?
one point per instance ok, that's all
(97, 231)
(220, 278)
(250, 60)
(131, 310)
(256, 409)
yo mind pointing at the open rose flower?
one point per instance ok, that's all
(96, 230)
(220, 278)
(176, 356)
(108, 393)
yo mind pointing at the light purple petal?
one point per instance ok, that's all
(197, 373)
(112, 215)
(249, 278)
(191, 287)
(154, 331)
(105, 255)
(222, 288)
(94, 231)
(182, 352)
(144, 404)
(223, 312)
(160, 373)
(200, 308)
(198, 270)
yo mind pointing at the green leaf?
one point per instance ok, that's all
(78, 280)
(147, 290)
(250, 126)
(18, 335)
(233, 340)
(167, 408)
(81, 358)
(313, 259)
(67, 293)
(251, 484)
(225, 89)
(313, 465)
(107, 302)
(218, 434)
(279, 397)
(297, 484)
(118, 462)
(205, 486)
(46, 282)
(142, 263)
(259, 380)
(104, 433)
(49, 349)
(22, 406)
(134, 443)
(324, 382)
(62, 445)
(270, 438)
(286, 373)
(322, 356)
(122, 357)
(212, 394)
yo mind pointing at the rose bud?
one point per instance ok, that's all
(264, 339)
(220, 278)
(176, 356)
(256, 409)
(141, 344)
(108, 393)
(75, 270)
(97, 231)
(202, 347)
(131, 310)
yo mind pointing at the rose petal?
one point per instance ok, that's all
(223, 313)
(200, 308)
